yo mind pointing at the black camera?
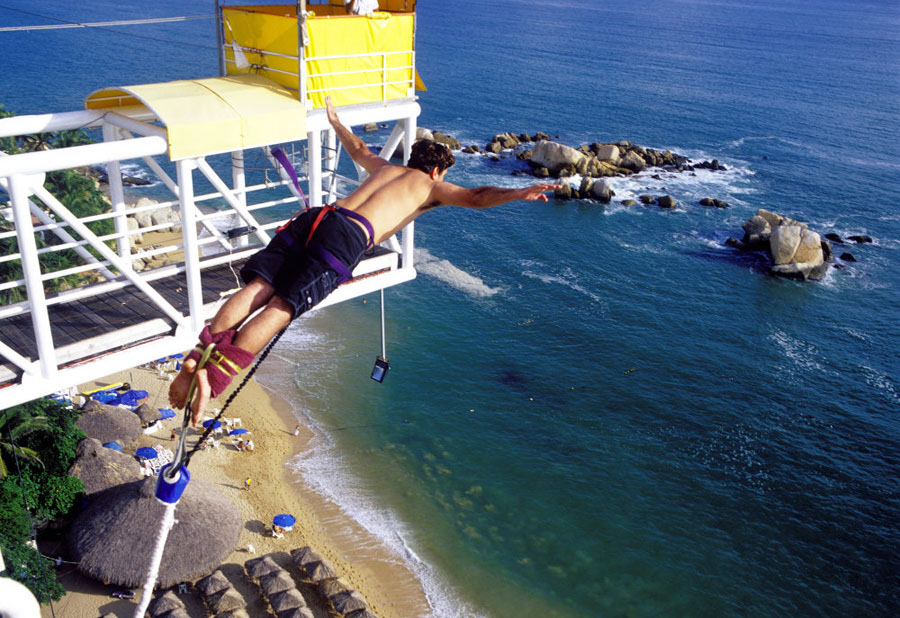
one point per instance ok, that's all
(380, 369)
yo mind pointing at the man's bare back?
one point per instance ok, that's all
(390, 197)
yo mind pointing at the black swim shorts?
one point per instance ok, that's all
(299, 275)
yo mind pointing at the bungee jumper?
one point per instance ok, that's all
(317, 250)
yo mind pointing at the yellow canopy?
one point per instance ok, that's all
(354, 59)
(213, 115)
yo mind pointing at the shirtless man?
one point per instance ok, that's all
(318, 249)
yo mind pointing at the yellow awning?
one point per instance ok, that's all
(213, 115)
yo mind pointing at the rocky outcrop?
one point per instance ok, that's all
(796, 251)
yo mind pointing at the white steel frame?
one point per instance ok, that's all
(127, 137)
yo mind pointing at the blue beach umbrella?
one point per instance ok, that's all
(145, 452)
(284, 520)
(113, 445)
(215, 424)
(237, 432)
(179, 355)
(166, 413)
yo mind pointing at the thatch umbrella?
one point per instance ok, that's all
(108, 423)
(260, 567)
(235, 613)
(100, 468)
(304, 555)
(289, 599)
(164, 603)
(213, 583)
(333, 587)
(147, 414)
(178, 612)
(226, 600)
(298, 612)
(317, 571)
(348, 602)
(361, 613)
(276, 582)
(113, 538)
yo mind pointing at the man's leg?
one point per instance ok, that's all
(235, 310)
(252, 337)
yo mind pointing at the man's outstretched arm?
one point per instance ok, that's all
(354, 146)
(449, 194)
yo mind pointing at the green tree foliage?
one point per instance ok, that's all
(74, 190)
(15, 425)
(50, 494)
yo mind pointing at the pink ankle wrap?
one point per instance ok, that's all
(226, 360)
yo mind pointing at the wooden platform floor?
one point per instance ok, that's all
(76, 321)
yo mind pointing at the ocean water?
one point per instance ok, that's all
(595, 410)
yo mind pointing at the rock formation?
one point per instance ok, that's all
(796, 251)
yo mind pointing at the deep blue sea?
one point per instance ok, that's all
(596, 410)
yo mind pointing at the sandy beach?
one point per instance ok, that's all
(390, 588)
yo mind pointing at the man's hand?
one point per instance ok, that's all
(537, 192)
(332, 113)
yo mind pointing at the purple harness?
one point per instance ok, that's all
(324, 254)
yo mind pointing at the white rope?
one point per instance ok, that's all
(168, 520)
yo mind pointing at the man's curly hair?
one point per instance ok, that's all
(427, 154)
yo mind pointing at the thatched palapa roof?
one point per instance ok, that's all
(100, 468)
(317, 571)
(147, 414)
(235, 613)
(213, 583)
(107, 423)
(299, 612)
(164, 603)
(260, 567)
(289, 599)
(304, 555)
(361, 613)
(226, 600)
(276, 582)
(113, 538)
(348, 602)
(178, 612)
(333, 587)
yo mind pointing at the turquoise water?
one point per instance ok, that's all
(598, 410)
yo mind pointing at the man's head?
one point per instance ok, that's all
(427, 155)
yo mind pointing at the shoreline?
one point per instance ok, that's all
(389, 586)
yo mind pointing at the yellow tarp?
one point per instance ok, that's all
(218, 114)
(353, 59)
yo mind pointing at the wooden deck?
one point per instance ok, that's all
(81, 327)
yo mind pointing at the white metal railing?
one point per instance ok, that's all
(384, 83)
(102, 255)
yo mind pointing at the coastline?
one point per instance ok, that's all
(391, 589)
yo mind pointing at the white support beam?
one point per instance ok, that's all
(42, 123)
(233, 201)
(314, 139)
(77, 156)
(18, 193)
(117, 195)
(185, 169)
(125, 268)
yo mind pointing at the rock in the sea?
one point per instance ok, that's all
(834, 238)
(796, 251)
(446, 140)
(848, 257)
(555, 156)
(423, 133)
(709, 201)
(607, 152)
(600, 191)
(646, 199)
(666, 201)
(860, 238)
(628, 203)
